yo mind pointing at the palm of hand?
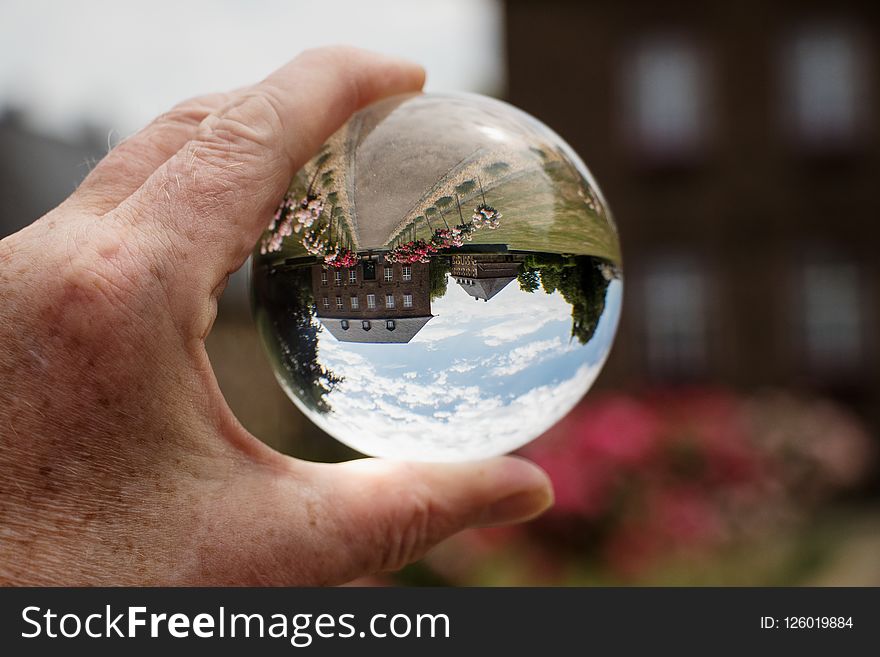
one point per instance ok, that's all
(120, 462)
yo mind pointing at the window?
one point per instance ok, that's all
(366, 325)
(337, 277)
(666, 97)
(675, 318)
(323, 277)
(388, 275)
(371, 301)
(352, 276)
(326, 302)
(407, 273)
(355, 304)
(833, 306)
(338, 303)
(824, 80)
(390, 324)
(344, 324)
(407, 301)
(389, 301)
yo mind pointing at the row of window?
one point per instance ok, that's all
(387, 276)
(366, 324)
(824, 87)
(828, 324)
(355, 304)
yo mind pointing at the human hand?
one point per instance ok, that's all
(120, 462)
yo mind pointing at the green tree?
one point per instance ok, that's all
(466, 187)
(551, 278)
(438, 280)
(578, 279)
(286, 316)
(584, 287)
(529, 279)
(497, 168)
(322, 159)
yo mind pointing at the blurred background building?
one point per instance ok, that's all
(731, 436)
(737, 144)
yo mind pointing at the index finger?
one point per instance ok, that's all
(217, 193)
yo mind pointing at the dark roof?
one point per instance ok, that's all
(405, 328)
(483, 288)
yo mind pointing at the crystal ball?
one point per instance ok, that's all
(441, 282)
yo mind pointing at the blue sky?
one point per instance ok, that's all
(479, 379)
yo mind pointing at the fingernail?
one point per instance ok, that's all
(518, 507)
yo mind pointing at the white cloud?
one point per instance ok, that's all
(460, 366)
(435, 331)
(506, 318)
(529, 354)
(478, 427)
(515, 329)
(361, 377)
(429, 417)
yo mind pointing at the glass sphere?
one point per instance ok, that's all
(441, 282)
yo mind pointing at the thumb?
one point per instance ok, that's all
(399, 510)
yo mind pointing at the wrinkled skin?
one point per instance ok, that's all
(120, 462)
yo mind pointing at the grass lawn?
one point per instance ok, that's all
(541, 208)
(541, 211)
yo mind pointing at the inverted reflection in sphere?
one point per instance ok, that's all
(442, 281)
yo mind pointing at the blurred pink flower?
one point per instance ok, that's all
(687, 470)
(672, 474)
(617, 429)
